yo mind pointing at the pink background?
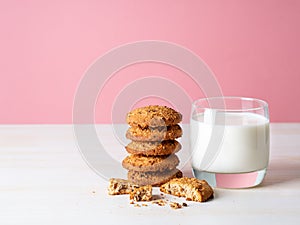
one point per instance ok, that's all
(253, 47)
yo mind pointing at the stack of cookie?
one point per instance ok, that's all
(152, 159)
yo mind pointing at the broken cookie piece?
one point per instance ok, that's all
(120, 187)
(143, 193)
(190, 188)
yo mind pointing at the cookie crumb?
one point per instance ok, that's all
(184, 204)
(175, 205)
(144, 205)
(131, 202)
(159, 202)
(137, 205)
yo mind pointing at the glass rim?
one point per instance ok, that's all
(261, 102)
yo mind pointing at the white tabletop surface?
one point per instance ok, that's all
(44, 180)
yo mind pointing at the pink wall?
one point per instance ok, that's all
(252, 46)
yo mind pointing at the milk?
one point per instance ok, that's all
(240, 142)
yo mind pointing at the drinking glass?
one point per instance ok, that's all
(229, 141)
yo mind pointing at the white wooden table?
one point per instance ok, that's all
(44, 180)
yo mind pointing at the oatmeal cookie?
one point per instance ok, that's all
(154, 134)
(120, 186)
(153, 116)
(150, 163)
(153, 178)
(190, 188)
(153, 148)
(143, 193)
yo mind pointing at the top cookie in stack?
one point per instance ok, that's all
(153, 116)
(152, 133)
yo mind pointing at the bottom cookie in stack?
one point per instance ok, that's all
(153, 178)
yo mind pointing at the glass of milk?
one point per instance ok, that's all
(229, 141)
